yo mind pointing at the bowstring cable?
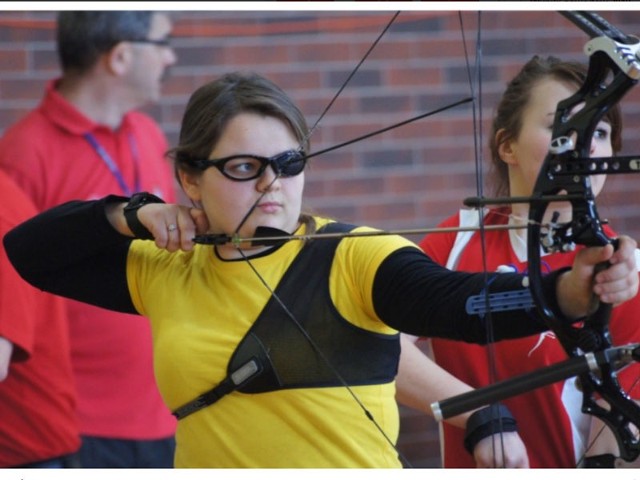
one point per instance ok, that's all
(476, 93)
(322, 115)
(351, 75)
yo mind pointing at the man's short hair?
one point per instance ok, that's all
(83, 36)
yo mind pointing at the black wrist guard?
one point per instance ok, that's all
(131, 214)
(606, 460)
(486, 422)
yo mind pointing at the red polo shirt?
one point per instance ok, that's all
(50, 157)
(37, 399)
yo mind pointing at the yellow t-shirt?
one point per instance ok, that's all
(200, 308)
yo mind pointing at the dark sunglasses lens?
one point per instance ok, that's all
(290, 163)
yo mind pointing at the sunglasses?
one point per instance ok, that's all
(245, 167)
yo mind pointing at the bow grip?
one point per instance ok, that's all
(595, 334)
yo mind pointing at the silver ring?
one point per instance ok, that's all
(172, 227)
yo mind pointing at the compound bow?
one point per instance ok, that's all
(614, 68)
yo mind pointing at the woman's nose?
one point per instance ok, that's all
(268, 180)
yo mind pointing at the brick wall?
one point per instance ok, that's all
(409, 178)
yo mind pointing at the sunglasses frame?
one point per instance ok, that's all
(278, 162)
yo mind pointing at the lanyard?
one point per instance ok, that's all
(113, 168)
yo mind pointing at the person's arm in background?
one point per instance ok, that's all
(420, 382)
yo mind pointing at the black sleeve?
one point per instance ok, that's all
(73, 251)
(413, 294)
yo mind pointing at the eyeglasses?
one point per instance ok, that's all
(160, 42)
(247, 167)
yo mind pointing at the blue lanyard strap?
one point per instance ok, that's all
(113, 168)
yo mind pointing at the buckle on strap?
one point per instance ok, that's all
(241, 375)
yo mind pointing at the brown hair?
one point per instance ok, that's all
(508, 116)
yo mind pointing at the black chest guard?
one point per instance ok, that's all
(309, 346)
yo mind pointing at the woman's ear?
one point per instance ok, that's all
(190, 183)
(506, 147)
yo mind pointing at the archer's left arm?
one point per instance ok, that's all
(417, 296)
